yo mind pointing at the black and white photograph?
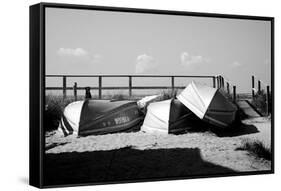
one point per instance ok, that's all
(142, 95)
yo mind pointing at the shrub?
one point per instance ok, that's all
(118, 97)
(54, 105)
(256, 148)
(259, 101)
(168, 94)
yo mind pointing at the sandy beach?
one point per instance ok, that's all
(126, 156)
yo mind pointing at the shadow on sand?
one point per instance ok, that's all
(53, 145)
(126, 164)
(242, 129)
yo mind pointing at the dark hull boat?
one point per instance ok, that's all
(95, 117)
(170, 117)
(183, 119)
(209, 104)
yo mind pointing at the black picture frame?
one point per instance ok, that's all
(37, 89)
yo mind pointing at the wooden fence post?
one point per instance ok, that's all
(100, 87)
(234, 93)
(173, 84)
(218, 80)
(214, 82)
(88, 93)
(227, 88)
(130, 86)
(267, 100)
(64, 86)
(75, 91)
(253, 87)
(259, 86)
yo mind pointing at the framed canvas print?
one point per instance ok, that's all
(122, 95)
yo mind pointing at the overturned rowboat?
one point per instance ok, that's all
(169, 117)
(209, 104)
(95, 117)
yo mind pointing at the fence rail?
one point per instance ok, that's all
(117, 88)
(216, 81)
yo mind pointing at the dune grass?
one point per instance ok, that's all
(257, 148)
(54, 105)
(260, 102)
(168, 94)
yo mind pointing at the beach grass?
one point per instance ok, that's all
(260, 102)
(256, 148)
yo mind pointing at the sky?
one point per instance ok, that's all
(103, 42)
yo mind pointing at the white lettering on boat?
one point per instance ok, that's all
(120, 120)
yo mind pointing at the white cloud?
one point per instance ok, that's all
(236, 64)
(189, 60)
(96, 58)
(145, 64)
(77, 52)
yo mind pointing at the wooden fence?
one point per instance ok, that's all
(216, 81)
(256, 90)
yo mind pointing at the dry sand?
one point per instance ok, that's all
(218, 150)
